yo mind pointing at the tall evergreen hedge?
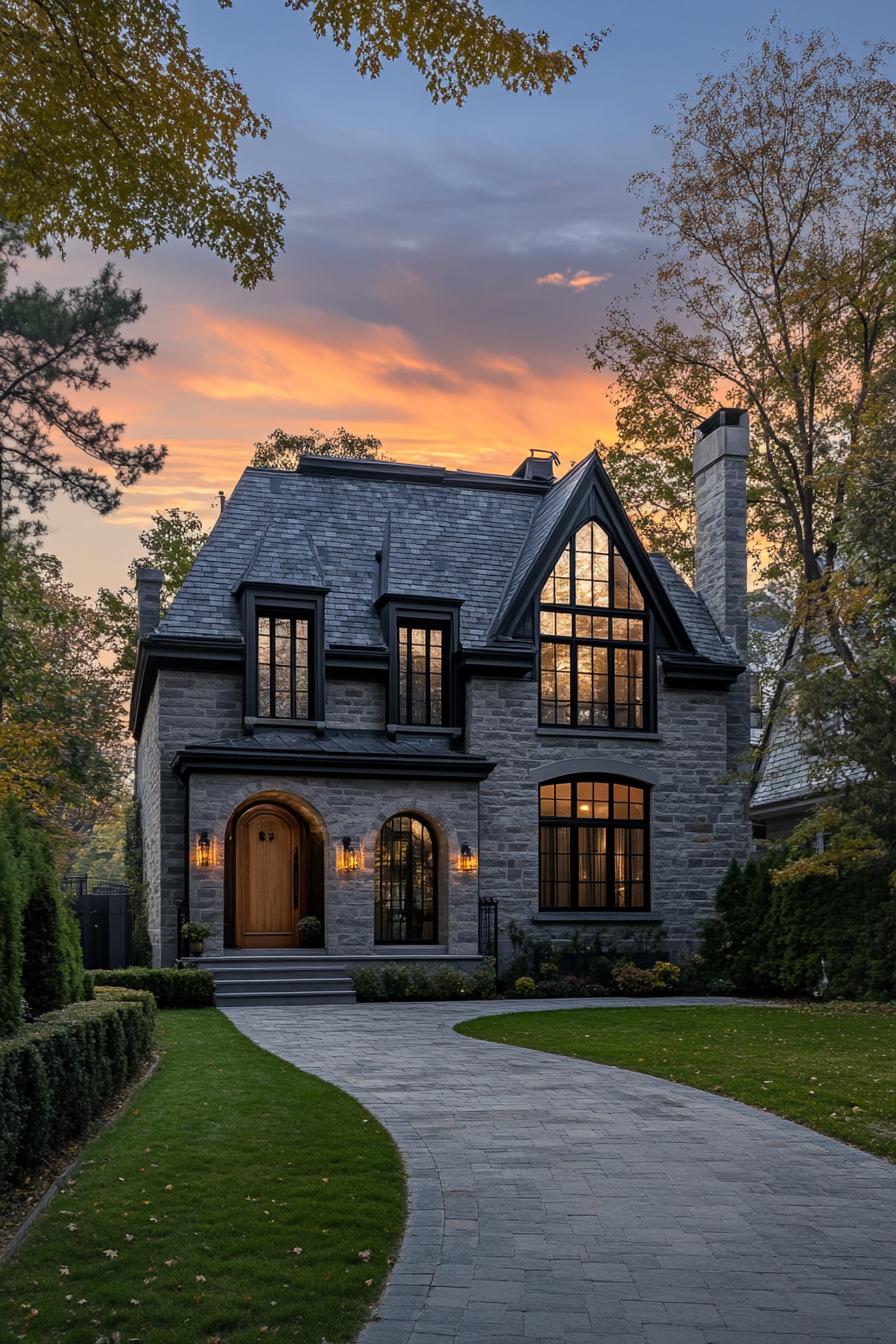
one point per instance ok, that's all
(771, 938)
(40, 945)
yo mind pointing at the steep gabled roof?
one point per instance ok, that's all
(363, 529)
(586, 493)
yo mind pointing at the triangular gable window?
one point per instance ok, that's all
(595, 639)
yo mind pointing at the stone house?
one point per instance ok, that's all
(387, 693)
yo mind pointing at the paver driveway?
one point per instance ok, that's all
(553, 1199)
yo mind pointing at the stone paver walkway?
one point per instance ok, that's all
(557, 1200)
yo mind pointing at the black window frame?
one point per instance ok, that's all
(292, 604)
(576, 824)
(385, 913)
(575, 642)
(405, 627)
(401, 611)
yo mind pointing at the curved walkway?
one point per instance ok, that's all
(552, 1199)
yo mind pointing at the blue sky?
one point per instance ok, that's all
(408, 300)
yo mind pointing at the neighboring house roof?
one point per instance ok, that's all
(364, 529)
(786, 775)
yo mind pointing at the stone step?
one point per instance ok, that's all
(227, 974)
(273, 998)
(281, 983)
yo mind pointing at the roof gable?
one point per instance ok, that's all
(584, 494)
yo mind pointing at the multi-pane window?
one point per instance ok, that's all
(283, 667)
(593, 845)
(594, 639)
(421, 674)
(405, 905)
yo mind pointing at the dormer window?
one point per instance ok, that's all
(421, 673)
(284, 633)
(283, 666)
(595, 670)
(422, 636)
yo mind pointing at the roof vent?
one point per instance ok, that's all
(538, 466)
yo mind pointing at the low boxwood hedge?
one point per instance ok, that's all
(57, 1073)
(169, 987)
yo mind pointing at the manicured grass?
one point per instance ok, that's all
(832, 1068)
(236, 1198)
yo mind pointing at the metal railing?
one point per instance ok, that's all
(488, 927)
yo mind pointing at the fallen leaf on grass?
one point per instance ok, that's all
(364, 1255)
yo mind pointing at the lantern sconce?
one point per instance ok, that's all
(349, 857)
(205, 846)
(467, 860)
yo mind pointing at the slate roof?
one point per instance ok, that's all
(786, 771)
(440, 533)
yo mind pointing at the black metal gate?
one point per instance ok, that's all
(104, 918)
(488, 928)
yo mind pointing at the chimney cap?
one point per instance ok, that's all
(538, 466)
(148, 574)
(725, 415)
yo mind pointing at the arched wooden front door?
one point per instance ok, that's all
(267, 877)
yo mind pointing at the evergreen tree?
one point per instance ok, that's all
(10, 936)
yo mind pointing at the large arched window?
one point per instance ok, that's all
(593, 849)
(595, 637)
(406, 907)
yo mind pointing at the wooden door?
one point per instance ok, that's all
(267, 877)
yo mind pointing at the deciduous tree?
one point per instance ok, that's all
(283, 451)
(114, 129)
(774, 288)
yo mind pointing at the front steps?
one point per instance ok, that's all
(275, 977)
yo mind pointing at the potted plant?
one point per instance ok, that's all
(195, 933)
(311, 931)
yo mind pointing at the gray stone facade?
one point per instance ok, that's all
(691, 763)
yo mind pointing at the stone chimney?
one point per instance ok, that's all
(538, 466)
(149, 599)
(721, 445)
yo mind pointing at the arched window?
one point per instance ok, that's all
(593, 849)
(406, 908)
(595, 637)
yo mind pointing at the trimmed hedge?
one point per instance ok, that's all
(397, 981)
(770, 937)
(59, 1072)
(169, 987)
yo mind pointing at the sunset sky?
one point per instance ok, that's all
(444, 267)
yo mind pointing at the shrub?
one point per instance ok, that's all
(368, 983)
(631, 979)
(484, 981)
(524, 987)
(60, 1071)
(10, 938)
(773, 926)
(169, 987)
(666, 974)
(449, 983)
(692, 979)
(397, 978)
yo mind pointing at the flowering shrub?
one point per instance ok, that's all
(665, 974)
(524, 987)
(630, 979)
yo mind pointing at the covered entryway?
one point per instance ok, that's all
(273, 874)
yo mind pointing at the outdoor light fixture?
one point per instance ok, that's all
(203, 850)
(350, 857)
(467, 859)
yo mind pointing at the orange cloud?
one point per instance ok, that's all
(576, 280)
(219, 384)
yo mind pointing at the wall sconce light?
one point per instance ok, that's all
(467, 861)
(204, 848)
(349, 859)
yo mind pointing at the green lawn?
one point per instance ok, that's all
(832, 1068)
(237, 1198)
